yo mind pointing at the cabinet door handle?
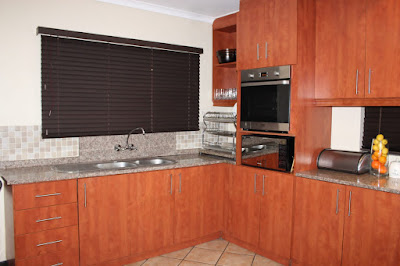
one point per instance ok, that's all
(47, 195)
(258, 51)
(357, 83)
(263, 193)
(180, 183)
(170, 192)
(337, 201)
(49, 243)
(48, 219)
(255, 183)
(259, 163)
(369, 81)
(349, 205)
(266, 50)
(85, 199)
(57, 264)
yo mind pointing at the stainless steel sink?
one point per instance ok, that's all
(115, 165)
(153, 162)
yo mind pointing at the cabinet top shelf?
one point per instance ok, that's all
(228, 29)
(227, 65)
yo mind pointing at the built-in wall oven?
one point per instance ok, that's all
(265, 99)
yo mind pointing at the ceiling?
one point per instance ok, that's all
(202, 10)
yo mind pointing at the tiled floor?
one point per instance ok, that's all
(216, 252)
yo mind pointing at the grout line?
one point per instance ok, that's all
(186, 255)
(222, 253)
(144, 262)
(252, 262)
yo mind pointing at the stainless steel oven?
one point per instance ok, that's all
(265, 99)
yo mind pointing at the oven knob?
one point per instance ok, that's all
(251, 76)
(276, 73)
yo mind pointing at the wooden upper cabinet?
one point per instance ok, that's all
(383, 48)
(340, 49)
(267, 33)
(318, 222)
(103, 222)
(371, 232)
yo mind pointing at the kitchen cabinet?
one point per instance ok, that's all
(267, 33)
(356, 55)
(151, 210)
(103, 218)
(344, 225)
(260, 212)
(372, 228)
(318, 222)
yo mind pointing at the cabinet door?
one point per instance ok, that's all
(250, 29)
(103, 221)
(198, 202)
(318, 222)
(276, 213)
(279, 43)
(244, 205)
(383, 48)
(151, 210)
(340, 49)
(372, 228)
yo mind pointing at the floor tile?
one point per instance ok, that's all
(232, 248)
(162, 261)
(180, 254)
(192, 263)
(232, 259)
(218, 244)
(262, 261)
(139, 263)
(204, 255)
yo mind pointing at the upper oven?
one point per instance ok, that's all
(265, 99)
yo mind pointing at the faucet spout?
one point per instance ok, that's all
(131, 146)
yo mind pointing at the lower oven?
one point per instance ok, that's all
(271, 152)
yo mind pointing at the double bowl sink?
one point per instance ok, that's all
(114, 165)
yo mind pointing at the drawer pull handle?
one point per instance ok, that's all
(49, 243)
(57, 264)
(48, 219)
(47, 195)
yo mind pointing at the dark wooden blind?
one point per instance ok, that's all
(97, 88)
(382, 120)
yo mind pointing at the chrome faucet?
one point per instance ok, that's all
(128, 146)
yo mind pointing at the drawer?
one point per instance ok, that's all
(56, 240)
(67, 258)
(45, 218)
(44, 194)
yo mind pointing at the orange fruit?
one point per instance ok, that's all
(374, 157)
(375, 164)
(382, 169)
(377, 154)
(382, 160)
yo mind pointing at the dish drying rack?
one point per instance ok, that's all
(217, 139)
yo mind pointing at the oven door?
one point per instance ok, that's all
(265, 105)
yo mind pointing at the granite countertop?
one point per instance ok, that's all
(364, 181)
(25, 175)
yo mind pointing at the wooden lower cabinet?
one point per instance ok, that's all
(103, 218)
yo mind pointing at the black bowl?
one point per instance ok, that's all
(226, 56)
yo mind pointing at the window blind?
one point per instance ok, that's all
(98, 88)
(382, 120)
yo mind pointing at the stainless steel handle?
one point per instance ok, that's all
(259, 163)
(337, 201)
(263, 185)
(258, 51)
(170, 192)
(369, 81)
(255, 183)
(266, 50)
(48, 219)
(349, 205)
(49, 243)
(357, 83)
(273, 82)
(57, 264)
(85, 198)
(47, 195)
(180, 182)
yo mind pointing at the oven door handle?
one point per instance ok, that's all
(261, 83)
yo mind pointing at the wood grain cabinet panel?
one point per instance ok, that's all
(372, 228)
(151, 211)
(103, 218)
(70, 258)
(318, 222)
(39, 219)
(35, 195)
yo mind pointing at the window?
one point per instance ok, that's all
(385, 120)
(97, 87)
